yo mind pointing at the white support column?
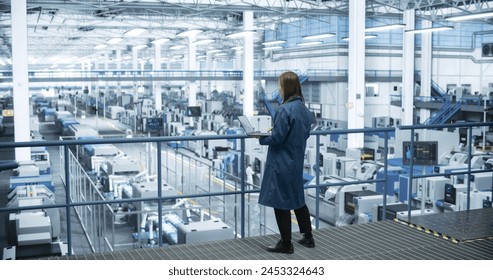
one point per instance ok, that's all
(157, 84)
(135, 68)
(408, 69)
(89, 68)
(238, 56)
(356, 72)
(426, 58)
(82, 69)
(119, 69)
(106, 84)
(248, 63)
(192, 66)
(20, 78)
(208, 65)
(96, 74)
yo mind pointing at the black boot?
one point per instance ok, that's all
(307, 240)
(282, 247)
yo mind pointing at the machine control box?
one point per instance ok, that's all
(349, 197)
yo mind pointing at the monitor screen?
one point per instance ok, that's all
(367, 154)
(193, 111)
(424, 153)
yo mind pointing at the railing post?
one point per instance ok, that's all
(242, 208)
(67, 199)
(385, 175)
(159, 194)
(317, 180)
(469, 157)
(410, 183)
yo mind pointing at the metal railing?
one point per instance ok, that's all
(241, 191)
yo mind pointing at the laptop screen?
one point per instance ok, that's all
(246, 124)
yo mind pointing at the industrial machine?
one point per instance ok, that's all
(93, 155)
(117, 169)
(346, 204)
(209, 230)
(41, 159)
(27, 173)
(33, 232)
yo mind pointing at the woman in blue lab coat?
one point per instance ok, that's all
(282, 183)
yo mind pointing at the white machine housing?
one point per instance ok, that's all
(210, 230)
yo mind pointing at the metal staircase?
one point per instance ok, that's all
(448, 108)
(436, 90)
(445, 113)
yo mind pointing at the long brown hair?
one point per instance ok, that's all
(289, 84)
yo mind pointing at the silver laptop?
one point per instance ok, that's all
(250, 131)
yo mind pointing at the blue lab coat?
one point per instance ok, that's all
(282, 182)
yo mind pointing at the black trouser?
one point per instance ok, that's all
(283, 218)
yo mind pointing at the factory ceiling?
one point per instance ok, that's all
(67, 31)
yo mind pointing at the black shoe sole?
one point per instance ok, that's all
(273, 250)
(306, 244)
(280, 250)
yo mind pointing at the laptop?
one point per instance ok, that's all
(250, 131)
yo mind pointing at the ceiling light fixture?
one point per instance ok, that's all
(188, 33)
(177, 47)
(275, 42)
(368, 36)
(312, 43)
(139, 47)
(385, 27)
(160, 41)
(100, 46)
(204, 42)
(318, 36)
(269, 48)
(114, 41)
(134, 32)
(432, 29)
(469, 16)
(240, 34)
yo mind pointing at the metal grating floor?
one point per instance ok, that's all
(387, 240)
(459, 226)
